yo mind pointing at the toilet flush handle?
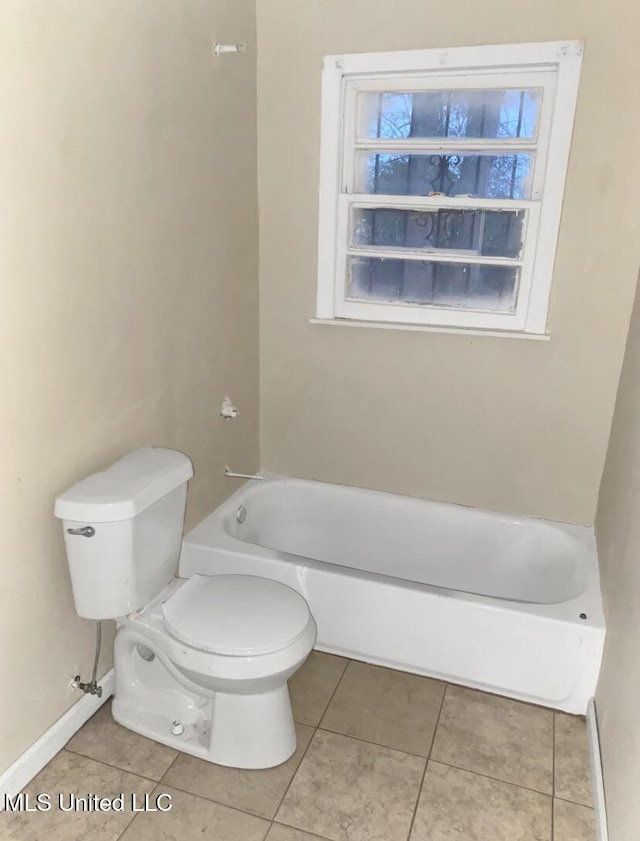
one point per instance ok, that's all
(85, 531)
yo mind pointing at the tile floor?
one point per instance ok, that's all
(382, 756)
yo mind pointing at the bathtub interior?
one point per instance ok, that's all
(461, 549)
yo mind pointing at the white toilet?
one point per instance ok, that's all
(201, 664)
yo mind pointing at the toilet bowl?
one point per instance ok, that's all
(226, 646)
(201, 664)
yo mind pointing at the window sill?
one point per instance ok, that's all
(426, 328)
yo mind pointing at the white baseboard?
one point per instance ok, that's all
(33, 760)
(599, 802)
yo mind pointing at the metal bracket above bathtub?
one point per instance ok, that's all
(231, 475)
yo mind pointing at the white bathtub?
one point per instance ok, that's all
(506, 604)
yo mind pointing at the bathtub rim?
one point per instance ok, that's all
(211, 533)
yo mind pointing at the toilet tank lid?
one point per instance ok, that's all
(125, 489)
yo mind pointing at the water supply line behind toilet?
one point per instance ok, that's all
(92, 687)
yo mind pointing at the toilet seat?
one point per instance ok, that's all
(236, 615)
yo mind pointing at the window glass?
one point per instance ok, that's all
(487, 233)
(462, 285)
(460, 114)
(482, 175)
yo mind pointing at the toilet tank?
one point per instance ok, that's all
(130, 518)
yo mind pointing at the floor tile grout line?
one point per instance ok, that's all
(187, 791)
(171, 764)
(156, 783)
(568, 798)
(328, 704)
(119, 767)
(435, 730)
(236, 808)
(274, 822)
(315, 730)
(426, 764)
(133, 817)
(487, 693)
(495, 779)
(215, 802)
(429, 758)
(263, 817)
(326, 729)
(574, 803)
(288, 786)
(374, 744)
(133, 814)
(370, 742)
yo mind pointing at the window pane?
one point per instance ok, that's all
(458, 285)
(489, 176)
(493, 233)
(480, 114)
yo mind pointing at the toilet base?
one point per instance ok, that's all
(240, 730)
(252, 731)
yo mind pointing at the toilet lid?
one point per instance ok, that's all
(236, 614)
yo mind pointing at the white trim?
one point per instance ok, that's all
(566, 97)
(430, 328)
(455, 79)
(438, 316)
(33, 760)
(441, 255)
(330, 150)
(466, 145)
(546, 52)
(597, 779)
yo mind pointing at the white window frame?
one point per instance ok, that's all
(552, 66)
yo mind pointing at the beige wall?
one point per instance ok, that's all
(129, 288)
(618, 533)
(513, 425)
